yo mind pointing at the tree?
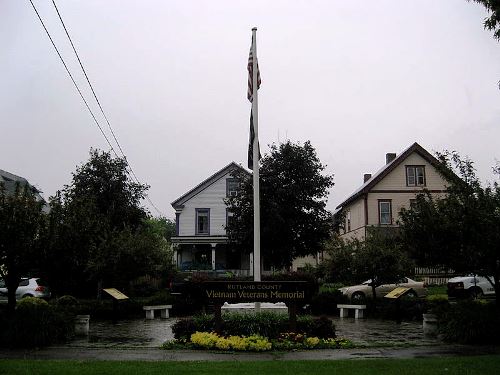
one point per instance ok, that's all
(293, 193)
(379, 258)
(98, 232)
(21, 223)
(492, 23)
(460, 230)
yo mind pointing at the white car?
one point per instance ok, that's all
(470, 286)
(359, 293)
(28, 287)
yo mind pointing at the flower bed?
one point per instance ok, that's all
(256, 343)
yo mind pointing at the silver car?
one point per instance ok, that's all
(359, 293)
(28, 287)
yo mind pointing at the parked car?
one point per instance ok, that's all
(470, 286)
(28, 287)
(358, 293)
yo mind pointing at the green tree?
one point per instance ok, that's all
(293, 194)
(98, 232)
(460, 230)
(492, 23)
(379, 258)
(21, 223)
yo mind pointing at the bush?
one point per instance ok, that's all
(264, 324)
(162, 297)
(326, 303)
(470, 322)
(35, 323)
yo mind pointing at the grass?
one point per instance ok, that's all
(437, 289)
(483, 365)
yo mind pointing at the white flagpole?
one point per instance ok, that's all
(256, 194)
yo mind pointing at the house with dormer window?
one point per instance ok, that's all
(377, 202)
(201, 216)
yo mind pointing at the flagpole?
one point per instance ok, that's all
(256, 190)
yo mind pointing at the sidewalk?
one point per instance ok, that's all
(154, 354)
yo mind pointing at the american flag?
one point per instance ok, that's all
(250, 98)
(250, 74)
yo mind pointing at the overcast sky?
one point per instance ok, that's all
(357, 79)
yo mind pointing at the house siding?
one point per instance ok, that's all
(212, 198)
(392, 187)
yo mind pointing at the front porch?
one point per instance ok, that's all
(212, 253)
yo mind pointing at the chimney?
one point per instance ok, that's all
(389, 157)
(366, 177)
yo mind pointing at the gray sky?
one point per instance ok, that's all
(357, 79)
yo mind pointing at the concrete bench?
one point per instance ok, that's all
(358, 310)
(150, 311)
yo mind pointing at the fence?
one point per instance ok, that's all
(435, 275)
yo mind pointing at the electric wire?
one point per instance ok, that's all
(99, 103)
(95, 96)
(72, 79)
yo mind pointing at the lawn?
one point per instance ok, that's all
(483, 365)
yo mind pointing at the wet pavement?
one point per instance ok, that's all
(127, 333)
(142, 333)
(139, 339)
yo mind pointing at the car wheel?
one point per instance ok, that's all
(27, 295)
(411, 294)
(358, 297)
(475, 292)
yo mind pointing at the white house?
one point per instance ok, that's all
(201, 216)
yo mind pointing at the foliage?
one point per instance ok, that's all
(379, 258)
(470, 322)
(326, 302)
(460, 230)
(492, 23)
(208, 340)
(21, 223)
(265, 324)
(293, 193)
(35, 323)
(98, 234)
(285, 341)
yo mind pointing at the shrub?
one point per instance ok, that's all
(210, 340)
(162, 297)
(264, 324)
(35, 323)
(470, 322)
(67, 300)
(326, 302)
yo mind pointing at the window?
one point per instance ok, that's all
(348, 221)
(232, 187)
(202, 221)
(385, 212)
(415, 175)
(229, 217)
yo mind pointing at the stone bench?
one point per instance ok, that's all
(358, 310)
(150, 311)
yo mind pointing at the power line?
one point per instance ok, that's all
(94, 94)
(73, 80)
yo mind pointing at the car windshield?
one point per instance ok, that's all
(367, 282)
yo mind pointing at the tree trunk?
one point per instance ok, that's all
(374, 293)
(12, 283)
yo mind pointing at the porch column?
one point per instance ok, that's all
(213, 245)
(175, 257)
(251, 264)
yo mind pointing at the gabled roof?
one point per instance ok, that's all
(388, 168)
(178, 203)
(9, 181)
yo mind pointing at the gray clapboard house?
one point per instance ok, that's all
(9, 181)
(201, 216)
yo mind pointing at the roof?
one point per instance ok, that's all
(179, 202)
(388, 168)
(10, 180)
